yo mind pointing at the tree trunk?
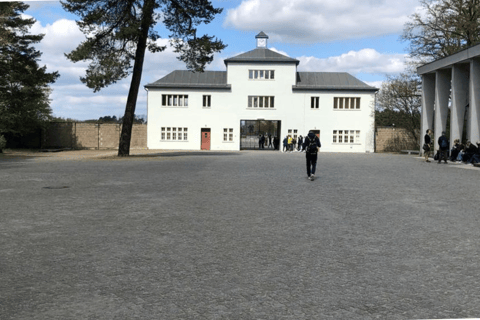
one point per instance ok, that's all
(126, 135)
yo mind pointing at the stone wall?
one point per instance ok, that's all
(78, 135)
(390, 139)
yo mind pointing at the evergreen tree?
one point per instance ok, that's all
(24, 91)
(119, 32)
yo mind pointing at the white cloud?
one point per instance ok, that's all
(367, 61)
(71, 98)
(321, 20)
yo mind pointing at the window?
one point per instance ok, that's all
(293, 133)
(261, 74)
(227, 134)
(261, 102)
(170, 100)
(174, 134)
(346, 103)
(314, 102)
(346, 136)
(207, 101)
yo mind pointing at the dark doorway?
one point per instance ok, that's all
(317, 133)
(252, 130)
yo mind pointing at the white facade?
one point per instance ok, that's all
(229, 105)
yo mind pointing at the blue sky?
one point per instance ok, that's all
(358, 37)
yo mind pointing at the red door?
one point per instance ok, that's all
(205, 139)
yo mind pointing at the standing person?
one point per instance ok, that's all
(262, 142)
(300, 143)
(294, 144)
(427, 145)
(270, 141)
(443, 147)
(311, 145)
(290, 141)
(285, 143)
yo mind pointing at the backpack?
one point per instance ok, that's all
(444, 144)
(312, 146)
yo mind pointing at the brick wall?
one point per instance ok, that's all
(78, 135)
(389, 139)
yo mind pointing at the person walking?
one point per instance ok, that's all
(285, 143)
(311, 145)
(300, 143)
(427, 145)
(443, 147)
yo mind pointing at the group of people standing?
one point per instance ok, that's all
(468, 153)
(273, 142)
(291, 144)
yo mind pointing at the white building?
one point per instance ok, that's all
(261, 92)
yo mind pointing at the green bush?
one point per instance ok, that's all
(3, 143)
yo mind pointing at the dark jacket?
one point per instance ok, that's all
(427, 139)
(311, 137)
(440, 143)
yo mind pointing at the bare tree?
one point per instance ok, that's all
(442, 28)
(399, 100)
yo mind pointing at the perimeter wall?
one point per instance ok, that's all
(78, 135)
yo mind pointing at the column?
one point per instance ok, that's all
(443, 82)
(473, 127)
(428, 100)
(460, 74)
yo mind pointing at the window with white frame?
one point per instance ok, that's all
(261, 74)
(346, 103)
(293, 133)
(227, 134)
(256, 102)
(174, 100)
(314, 102)
(174, 134)
(207, 101)
(346, 136)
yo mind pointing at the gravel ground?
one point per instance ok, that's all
(237, 235)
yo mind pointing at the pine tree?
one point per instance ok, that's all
(119, 32)
(24, 91)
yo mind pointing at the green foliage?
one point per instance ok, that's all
(24, 91)
(442, 28)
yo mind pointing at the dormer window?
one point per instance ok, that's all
(261, 74)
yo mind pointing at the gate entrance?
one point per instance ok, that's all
(251, 132)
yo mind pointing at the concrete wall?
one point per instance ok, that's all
(77, 135)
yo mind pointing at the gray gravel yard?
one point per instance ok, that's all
(238, 235)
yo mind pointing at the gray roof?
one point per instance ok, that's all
(330, 81)
(261, 55)
(192, 80)
(261, 35)
(218, 80)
